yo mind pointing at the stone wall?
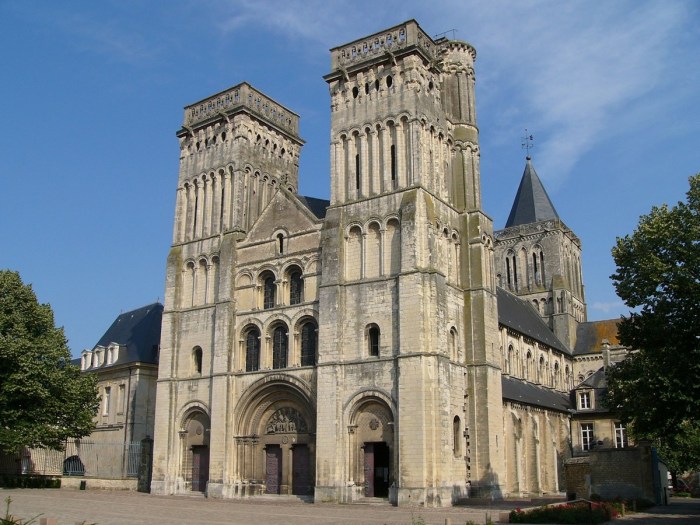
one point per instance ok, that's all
(626, 473)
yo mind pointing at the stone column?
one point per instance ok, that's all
(376, 172)
(365, 174)
(352, 175)
(337, 193)
(199, 218)
(401, 168)
(226, 203)
(180, 215)
(191, 195)
(216, 203)
(206, 211)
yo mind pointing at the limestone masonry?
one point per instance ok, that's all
(387, 343)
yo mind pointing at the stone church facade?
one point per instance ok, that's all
(386, 343)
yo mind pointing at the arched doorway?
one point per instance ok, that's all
(275, 445)
(195, 451)
(372, 447)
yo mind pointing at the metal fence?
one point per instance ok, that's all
(79, 458)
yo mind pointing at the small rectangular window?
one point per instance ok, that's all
(121, 399)
(106, 400)
(584, 400)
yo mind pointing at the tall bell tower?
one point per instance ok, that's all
(237, 148)
(409, 369)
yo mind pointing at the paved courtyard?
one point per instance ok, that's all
(131, 508)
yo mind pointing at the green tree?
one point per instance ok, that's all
(657, 388)
(44, 399)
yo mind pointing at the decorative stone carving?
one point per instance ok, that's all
(286, 421)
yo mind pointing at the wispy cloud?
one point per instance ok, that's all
(609, 307)
(575, 70)
(312, 21)
(572, 72)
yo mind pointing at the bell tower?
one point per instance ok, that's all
(539, 258)
(407, 300)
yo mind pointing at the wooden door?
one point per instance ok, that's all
(369, 470)
(273, 469)
(200, 468)
(301, 471)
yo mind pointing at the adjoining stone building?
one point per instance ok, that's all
(380, 344)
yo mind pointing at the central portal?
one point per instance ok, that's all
(377, 470)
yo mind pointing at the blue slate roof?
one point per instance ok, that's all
(529, 394)
(518, 315)
(138, 331)
(532, 204)
(317, 206)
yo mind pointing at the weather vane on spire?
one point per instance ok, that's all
(527, 143)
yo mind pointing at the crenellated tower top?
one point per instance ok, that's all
(242, 97)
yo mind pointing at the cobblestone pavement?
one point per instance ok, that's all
(69, 507)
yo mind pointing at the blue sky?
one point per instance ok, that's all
(92, 94)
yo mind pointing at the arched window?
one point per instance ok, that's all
(540, 371)
(269, 290)
(535, 269)
(252, 350)
(373, 340)
(279, 347)
(557, 379)
(296, 286)
(528, 366)
(509, 360)
(197, 359)
(280, 244)
(308, 344)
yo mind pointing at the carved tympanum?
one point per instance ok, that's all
(286, 421)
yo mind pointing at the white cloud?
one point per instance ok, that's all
(574, 73)
(574, 70)
(609, 307)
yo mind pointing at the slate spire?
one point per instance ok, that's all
(532, 204)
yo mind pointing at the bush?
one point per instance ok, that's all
(578, 512)
(30, 482)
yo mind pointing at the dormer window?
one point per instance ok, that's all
(584, 401)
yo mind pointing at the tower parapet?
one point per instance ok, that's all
(241, 97)
(399, 39)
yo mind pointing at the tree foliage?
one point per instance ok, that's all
(657, 388)
(43, 398)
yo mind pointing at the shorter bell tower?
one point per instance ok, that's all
(538, 258)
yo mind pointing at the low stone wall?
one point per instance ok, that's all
(74, 482)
